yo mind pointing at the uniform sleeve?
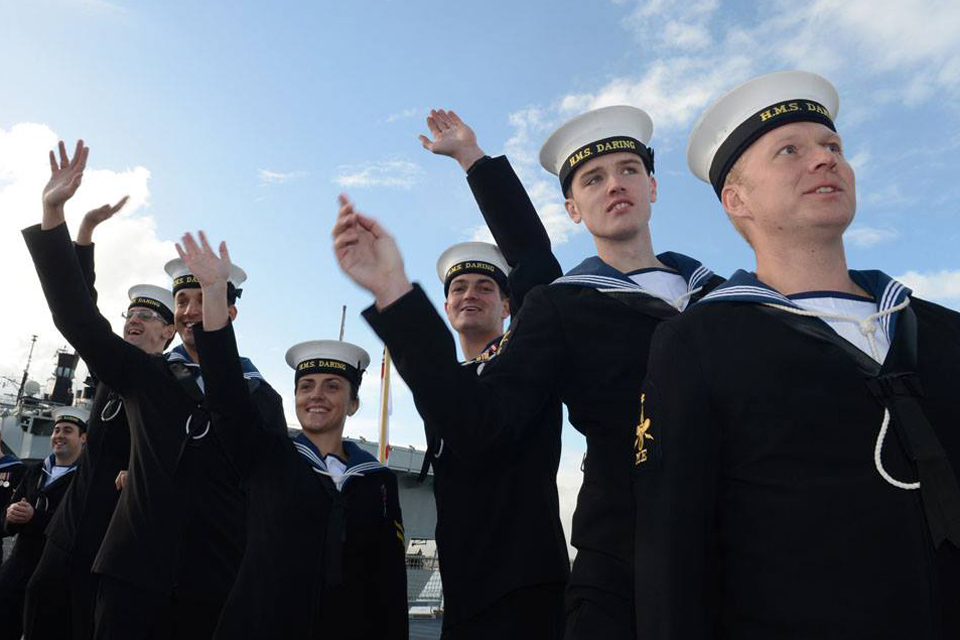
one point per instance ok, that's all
(515, 225)
(85, 259)
(270, 405)
(75, 315)
(393, 569)
(28, 479)
(676, 466)
(236, 419)
(476, 415)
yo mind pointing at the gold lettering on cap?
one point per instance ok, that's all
(469, 265)
(816, 108)
(321, 364)
(188, 279)
(579, 156)
(779, 110)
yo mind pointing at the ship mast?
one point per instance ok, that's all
(26, 370)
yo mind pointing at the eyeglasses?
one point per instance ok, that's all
(143, 315)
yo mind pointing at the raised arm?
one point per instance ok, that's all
(478, 414)
(84, 242)
(676, 470)
(74, 312)
(236, 419)
(503, 202)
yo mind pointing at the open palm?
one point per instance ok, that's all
(65, 175)
(203, 262)
(451, 135)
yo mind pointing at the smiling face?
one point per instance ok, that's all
(145, 328)
(323, 402)
(793, 183)
(475, 304)
(66, 441)
(188, 311)
(612, 194)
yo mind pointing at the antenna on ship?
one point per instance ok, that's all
(26, 369)
(343, 321)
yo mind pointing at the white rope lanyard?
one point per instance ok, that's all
(867, 327)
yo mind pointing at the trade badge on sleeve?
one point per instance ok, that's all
(640, 449)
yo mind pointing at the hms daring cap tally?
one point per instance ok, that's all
(328, 356)
(73, 415)
(152, 297)
(184, 279)
(596, 133)
(739, 118)
(473, 257)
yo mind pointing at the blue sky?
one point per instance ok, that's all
(246, 119)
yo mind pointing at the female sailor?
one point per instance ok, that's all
(325, 542)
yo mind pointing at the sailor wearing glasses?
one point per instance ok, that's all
(61, 594)
(172, 549)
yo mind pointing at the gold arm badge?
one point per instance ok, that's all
(640, 444)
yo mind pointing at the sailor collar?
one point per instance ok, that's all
(358, 462)
(744, 286)
(51, 461)
(597, 274)
(8, 461)
(180, 355)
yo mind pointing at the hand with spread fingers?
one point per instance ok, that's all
(213, 273)
(451, 137)
(96, 216)
(368, 254)
(65, 177)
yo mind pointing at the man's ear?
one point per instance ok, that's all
(168, 332)
(653, 189)
(733, 201)
(83, 437)
(572, 210)
(505, 311)
(232, 311)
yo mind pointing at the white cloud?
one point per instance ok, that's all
(865, 236)
(127, 248)
(860, 161)
(402, 115)
(383, 173)
(943, 285)
(267, 176)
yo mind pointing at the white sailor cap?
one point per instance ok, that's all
(73, 415)
(739, 118)
(473, 257)
(152, 297)
(596, 133)
(328, 356)
(184, 279)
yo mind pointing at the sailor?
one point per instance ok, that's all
(61, 594)
(506, 208)
(584, 338)
(795, 466)
(173, 546)
(325, 539)
(28, 514)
